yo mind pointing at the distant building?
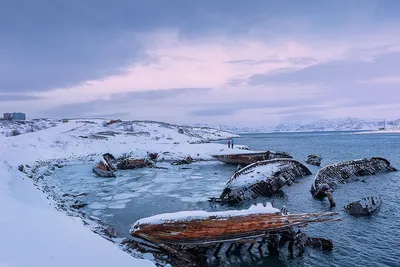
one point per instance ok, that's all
(14, 116)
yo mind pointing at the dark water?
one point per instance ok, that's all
(365, 241)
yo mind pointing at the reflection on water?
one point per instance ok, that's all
(369, 241)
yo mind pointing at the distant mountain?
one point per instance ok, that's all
(345, 124)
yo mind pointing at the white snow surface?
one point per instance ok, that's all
(254, 175)
(33, 233)
(201, 215)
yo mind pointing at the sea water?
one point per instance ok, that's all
(362, 241)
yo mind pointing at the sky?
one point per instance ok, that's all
(229, 62)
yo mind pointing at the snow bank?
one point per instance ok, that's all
(33, 232)
(201, 215)
(35, 235)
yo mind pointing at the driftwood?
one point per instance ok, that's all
(339, 173)
(249, 158)
(263, 178)
(365, 206)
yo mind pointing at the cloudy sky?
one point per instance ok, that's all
(239, 63)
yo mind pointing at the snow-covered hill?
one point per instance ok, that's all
(346, 124)
(13, 128)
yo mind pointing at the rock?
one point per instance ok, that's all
(153, 156)
(314, 160)
(78, 205)
(21, 168)
(110, 232)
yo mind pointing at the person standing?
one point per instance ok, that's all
(229, 143)
(232, 143)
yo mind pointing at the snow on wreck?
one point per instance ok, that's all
(263, 178)
(342, 172)
(190, 230)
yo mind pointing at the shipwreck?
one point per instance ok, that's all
(105, 167)
(130, 164)
(263, 178)
(365, 206)
(339, 173)
(249, 158)
(188, 231)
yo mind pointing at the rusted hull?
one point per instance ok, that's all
(249, 158)
(217, 230)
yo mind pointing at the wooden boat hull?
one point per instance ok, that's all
(339, 173)
(365, 206)
(249, 158)
(217, 229)
(103, 173)
(251, 182)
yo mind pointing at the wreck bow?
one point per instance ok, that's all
(205, 228)
(262, 178)
(341, 172)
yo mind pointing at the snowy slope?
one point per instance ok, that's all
(33, 232)
(345, 124)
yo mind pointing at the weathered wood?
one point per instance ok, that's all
(240, 187)
(365, 206)
(215, 229)
(106, 168)
(249, 158)
(128, 164)
(328, 177)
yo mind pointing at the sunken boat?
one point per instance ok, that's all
(365, 206)
(105, 167)
(102, 171)
(207, 228)
(339, 173)
(130, 164)
(263, 178)
(249, 158)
